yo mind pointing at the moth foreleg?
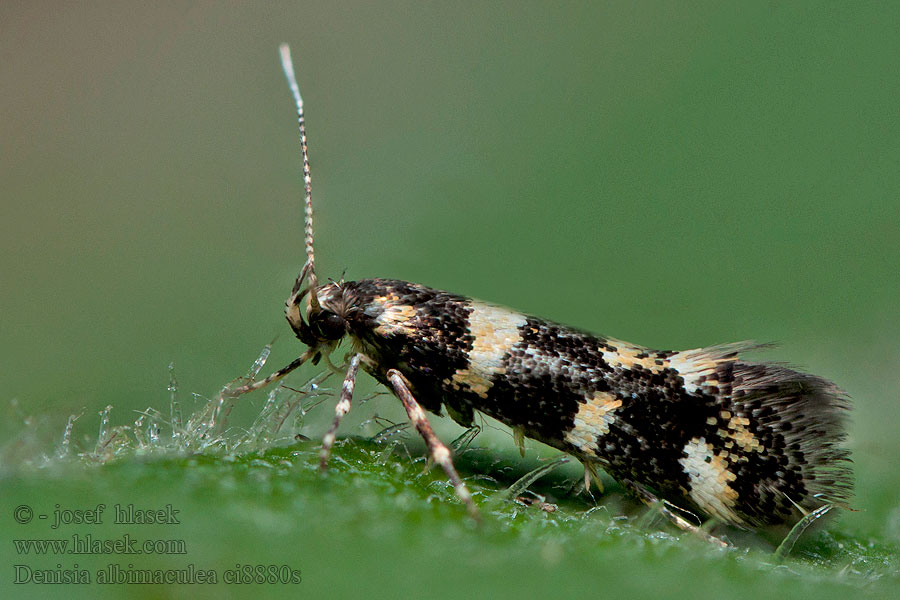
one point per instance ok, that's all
(438, 451)
(340, 410)
(279, 374)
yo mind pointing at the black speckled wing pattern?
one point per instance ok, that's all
(750, 444)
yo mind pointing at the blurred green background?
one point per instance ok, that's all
(674, 175)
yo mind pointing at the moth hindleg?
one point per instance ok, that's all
(666, 508)
(590, 474)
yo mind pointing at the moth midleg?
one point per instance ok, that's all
(438, 451)
(340, 410)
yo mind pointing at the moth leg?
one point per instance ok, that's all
(590, 473)
(438, 451)
(519, 439)
(666, 508)
(280, 373)
(340, 410)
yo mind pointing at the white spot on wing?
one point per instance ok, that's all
(626, 356)
(699, 367)
(496, 331)
(592, 421)
(709, 479)
(395, 318)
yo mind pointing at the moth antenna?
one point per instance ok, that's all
(310, 268)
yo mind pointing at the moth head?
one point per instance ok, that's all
(317, 319)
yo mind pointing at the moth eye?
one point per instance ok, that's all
(329, 325)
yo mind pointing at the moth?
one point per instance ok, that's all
(749, 444)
